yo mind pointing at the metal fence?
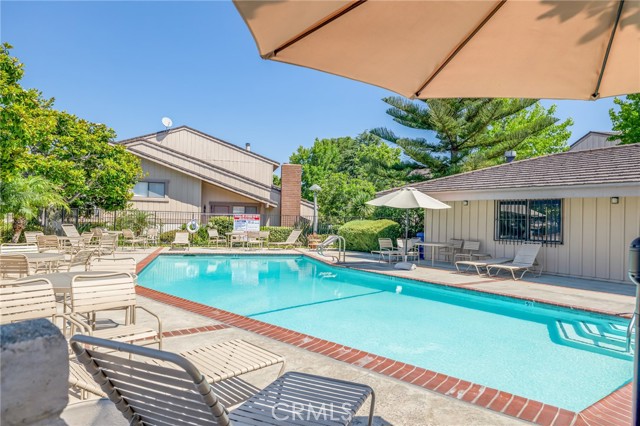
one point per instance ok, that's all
(165, 221)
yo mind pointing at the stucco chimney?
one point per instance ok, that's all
(247, 146)
(291, 194)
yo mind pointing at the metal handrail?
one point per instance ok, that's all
(630, 328)
(342, 246)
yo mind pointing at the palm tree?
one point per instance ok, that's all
(25, 196)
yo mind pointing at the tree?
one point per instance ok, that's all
(25, 196)
(80, 157)
(350, 171)
(25, 116)
(627, 120)
(472, 132)
(72, 153)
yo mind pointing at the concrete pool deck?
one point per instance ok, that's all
(406, 394)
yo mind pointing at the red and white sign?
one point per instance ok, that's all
(246, 222)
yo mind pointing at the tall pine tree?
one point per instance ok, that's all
(474, 133)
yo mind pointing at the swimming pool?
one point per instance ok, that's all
(558, 356)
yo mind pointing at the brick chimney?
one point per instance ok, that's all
(291, 194)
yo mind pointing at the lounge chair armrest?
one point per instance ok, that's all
(153, 315)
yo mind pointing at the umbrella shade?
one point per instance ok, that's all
(408, 198)
(450, 48)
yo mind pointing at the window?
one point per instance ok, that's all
(245, 210)
(529, 220)
(149, 189)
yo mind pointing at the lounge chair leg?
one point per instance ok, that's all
(372, 406)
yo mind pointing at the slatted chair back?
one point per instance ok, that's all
(456, 244)
(108, 243)
(120, 264)
(31, 237)
(14, 264)
(128, 234)
(81, 258)
(146, 391)
(48, 242)
(293, 236)
(70, 230)
(97, 232)
(181, 238)
(264, 235)
(27, 300)
(87, 237)
(152, 235)
(92, 293)
(385, 243)
(471, 246)
(213, 233)
(10, 248)
(527, 253)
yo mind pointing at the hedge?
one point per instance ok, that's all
(277, 233)
(362, 235)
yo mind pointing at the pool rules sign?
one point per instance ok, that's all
(246, 222)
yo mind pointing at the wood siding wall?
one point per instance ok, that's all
(597, 234)
(219, 154)
(593, 141)
(183, 191)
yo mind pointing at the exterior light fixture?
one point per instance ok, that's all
(465, 203)
(615, 200)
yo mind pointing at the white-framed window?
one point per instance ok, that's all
(150, 189)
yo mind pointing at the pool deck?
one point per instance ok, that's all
(406, 395)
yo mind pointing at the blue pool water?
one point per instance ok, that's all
(561, 357)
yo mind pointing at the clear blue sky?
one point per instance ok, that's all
(128, 64)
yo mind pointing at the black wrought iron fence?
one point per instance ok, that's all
(164, 221)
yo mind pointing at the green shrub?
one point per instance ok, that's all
(167, 237)
(362, 235)
(277, 233)
(223, 224)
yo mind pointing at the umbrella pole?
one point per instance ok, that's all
(406, 234)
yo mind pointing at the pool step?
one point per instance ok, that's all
(610, 337)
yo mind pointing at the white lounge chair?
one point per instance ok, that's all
(129, 237)
(451, 250)
(215, 238)
(524, 261)
(386, 248)
(181, 239)
(14, 264)
(292, 240)
(169, 389)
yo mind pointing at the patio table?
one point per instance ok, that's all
(433, 249)
(61, 281)
(48, 258)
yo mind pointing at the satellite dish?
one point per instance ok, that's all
(166, 122)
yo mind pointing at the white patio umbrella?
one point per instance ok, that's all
(408, 198)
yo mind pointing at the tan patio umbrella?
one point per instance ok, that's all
(567, 49)
(407, 198)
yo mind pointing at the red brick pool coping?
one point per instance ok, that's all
(612, 410)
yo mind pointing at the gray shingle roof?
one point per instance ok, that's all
(618, 164)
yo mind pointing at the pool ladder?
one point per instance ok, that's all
(331, 239)
(630, 329)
